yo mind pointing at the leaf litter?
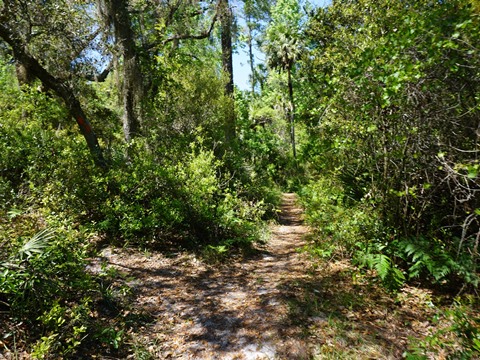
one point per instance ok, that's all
(279, 303)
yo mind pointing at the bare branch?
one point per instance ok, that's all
(101, 77)
(203, 35)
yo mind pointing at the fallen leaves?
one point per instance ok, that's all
(279, 303)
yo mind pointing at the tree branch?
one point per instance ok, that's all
(100, 77)
(58, 86)
(203, 35)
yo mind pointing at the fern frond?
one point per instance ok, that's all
(383, 265)
(415, 270)
(398, 278)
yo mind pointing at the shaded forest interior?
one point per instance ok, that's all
(123, 136)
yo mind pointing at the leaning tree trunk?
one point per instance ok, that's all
(227, 62)
(24, 74)
(59, 87)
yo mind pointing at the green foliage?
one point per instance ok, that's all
(354, 228)
(388, 93)
(44, 284)
(35, 245)
(431, 257)
(392, 277)
(39, 269)
(111, 337)
(177, 184)
(335, 217)
(283, 34)
(457, 336)
(66, 327)
(390, 117)
(183, 194)
(263, 145)
(191, 98)
(190, 201)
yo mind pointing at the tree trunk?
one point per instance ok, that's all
(24, 74)
(250, 53)
(227, 62)
(291, 112)
(132, 76)
(59, 87)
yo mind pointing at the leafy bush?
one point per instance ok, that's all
(335, 217)
(155, 200)
(350, 226)
(43, 283)
(147, 197)
(155, 191)
(394, 120)
(387, 270)
(431, 258)
(353, 226)
(456, 336)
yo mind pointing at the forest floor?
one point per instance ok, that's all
(278, 303)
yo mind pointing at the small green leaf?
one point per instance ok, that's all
(13, 213)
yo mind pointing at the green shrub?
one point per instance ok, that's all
(432, 259)
(189, 200)
(44, 284)
(336, 218)
(348, 224)
(456, 336)
(375, 257)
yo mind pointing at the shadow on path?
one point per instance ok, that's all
(231, 311)
(277, 304)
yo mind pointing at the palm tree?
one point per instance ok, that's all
(283, 49)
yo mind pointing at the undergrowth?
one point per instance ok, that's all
(456, 334)
(162, 190)
(350, 228)
(44, 287)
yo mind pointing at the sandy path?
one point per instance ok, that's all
(234, 311)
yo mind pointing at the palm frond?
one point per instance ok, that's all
(36, 244)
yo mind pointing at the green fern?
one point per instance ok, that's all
(389, 273)
(426, 255)
(382, 264)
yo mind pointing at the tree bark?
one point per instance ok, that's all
(59, 87)
(24, 75)
(227, 62)
(132, 76)
(292, 112)
(250, 54)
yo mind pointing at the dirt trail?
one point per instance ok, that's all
(234, 311)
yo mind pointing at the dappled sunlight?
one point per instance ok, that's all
(277, 303)
(234, 310)
(349, 315)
